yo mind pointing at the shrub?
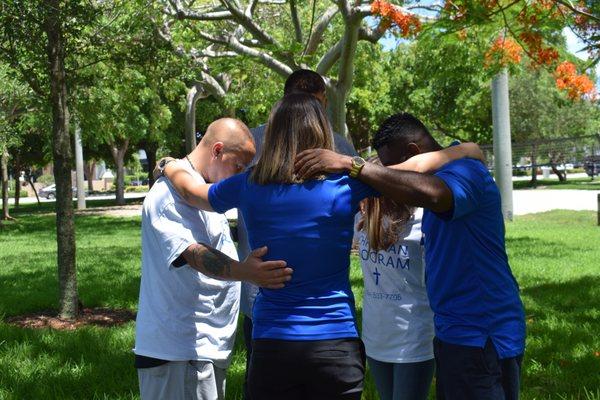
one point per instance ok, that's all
(46, 179)
(520, 172)
(23, 193)
(136, 189)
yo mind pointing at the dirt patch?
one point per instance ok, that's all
(133, 210)
(104, 317)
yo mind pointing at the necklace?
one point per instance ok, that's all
(192, 165)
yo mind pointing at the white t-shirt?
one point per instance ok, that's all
(183, 314)
(397, 323)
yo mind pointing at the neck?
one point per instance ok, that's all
(195, 158)
(430, 146)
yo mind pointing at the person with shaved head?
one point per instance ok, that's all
(189, 294)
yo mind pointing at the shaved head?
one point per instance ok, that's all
(226, 149)
(233, 133)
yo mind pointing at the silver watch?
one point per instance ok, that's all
(162, 164)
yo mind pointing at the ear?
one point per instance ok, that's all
(413, 149)
(217, 149)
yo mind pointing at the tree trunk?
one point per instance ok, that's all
(118, 154)
(63, 160)
(562, 175)
(30, 180)
(17, 177)
(79, 169)
(337, 114)
(533, 182)
(340, 91)
(194, 93)
(151, 149)
(4, 170)
(89, 169)
(557, 158)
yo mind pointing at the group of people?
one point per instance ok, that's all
(439, 296)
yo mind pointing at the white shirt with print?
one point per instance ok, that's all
(397, 323)
(183, 314)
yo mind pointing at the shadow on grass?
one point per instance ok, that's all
(83, 364)
(530, 247)
(562, 354)
(108, 263)
(577, 183)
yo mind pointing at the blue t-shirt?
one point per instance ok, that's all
(310, 226)
(472, 291)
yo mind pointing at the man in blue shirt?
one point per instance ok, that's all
(479, 318)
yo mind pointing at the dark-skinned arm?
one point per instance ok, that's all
(408, 187)
(215, 264)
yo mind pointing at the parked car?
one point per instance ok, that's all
(591, 164)
(49, 192)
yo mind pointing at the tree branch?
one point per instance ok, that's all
(344, 8)
(349, 43)
(370, 35)
(319, 29)
(248, 23)
(570, 6)
(330, 58)
(180, 13)
(296, 21)
(266, 59)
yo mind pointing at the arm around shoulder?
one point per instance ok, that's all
(194, 193)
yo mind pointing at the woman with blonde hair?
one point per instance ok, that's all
(305, 340)
(397, 322)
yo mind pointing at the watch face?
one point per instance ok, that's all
(358, 161)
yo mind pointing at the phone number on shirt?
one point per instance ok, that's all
(384, 296)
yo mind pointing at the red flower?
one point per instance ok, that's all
(408, 24)
(574, 84)
(504, 51)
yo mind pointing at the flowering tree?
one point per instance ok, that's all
(531, 28)
(231, 29)
(325, 38)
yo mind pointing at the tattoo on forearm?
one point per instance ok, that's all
(211, 261)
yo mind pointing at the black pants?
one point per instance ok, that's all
(473, 373)
(248, 343)
(307, 370)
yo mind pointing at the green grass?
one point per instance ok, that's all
(555, 257)
(576, 183)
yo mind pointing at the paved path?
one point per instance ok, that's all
(525, 201)
(540, 200)
(29, 200)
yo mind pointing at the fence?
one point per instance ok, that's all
(558, 154)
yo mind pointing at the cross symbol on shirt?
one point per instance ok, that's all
(377, 274)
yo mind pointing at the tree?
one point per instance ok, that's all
(441, 79)
(40, 39)
(541, 112)
(118, 112)
(235, 30)
(12, 106)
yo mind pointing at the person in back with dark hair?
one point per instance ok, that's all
(305, 340)
(300, 81)
(478, 314)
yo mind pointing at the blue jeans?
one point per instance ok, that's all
(402, 381)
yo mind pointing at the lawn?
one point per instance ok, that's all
(554, 256)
